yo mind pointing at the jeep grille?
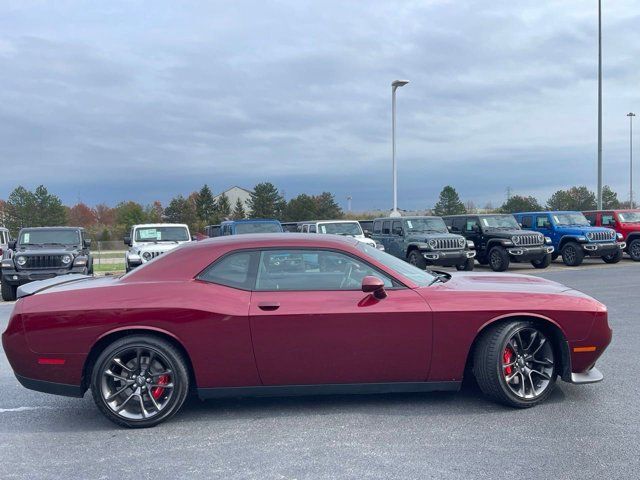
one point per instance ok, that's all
(448, 244)
(43, 261)
(528, 240)
(601, 236)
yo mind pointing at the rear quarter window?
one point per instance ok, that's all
(235, 270)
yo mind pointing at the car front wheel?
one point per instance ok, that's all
(613, 258)
(634, 250)
(417, 260)
(498, 259)
(572, 254)
(467, 266)
(514, 364)
(543, 262)
(139, 381)
(8, 292)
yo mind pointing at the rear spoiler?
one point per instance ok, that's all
(40, 285)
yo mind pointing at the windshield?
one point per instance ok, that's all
(49, 237)
(571, 219)
(162, 234)
(629, 217)
(419, 277)
(351, 228)
(426, 225)
(500, 222)
(258, 227)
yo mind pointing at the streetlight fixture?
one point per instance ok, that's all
(631, 115)
(599, 104)
(394, 86)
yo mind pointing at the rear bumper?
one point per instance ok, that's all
(447, 258)
(51, 387)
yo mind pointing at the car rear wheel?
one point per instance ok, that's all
(139, 381)
(613, 258)
(417, 260)
(634, 250)
(8, 292)
(498, 259)
(467, 266)
(514, 364)
(543, 262)
(572, 254)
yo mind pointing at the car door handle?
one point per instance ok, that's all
(268, 306)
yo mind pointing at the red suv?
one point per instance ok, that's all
(625, 222)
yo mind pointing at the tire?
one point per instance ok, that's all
(502, 375)
(90, 272)
(572, 254)
(127, 268)
(467, 266)
(543, 262)
(634, 250)
(417, 260)
(132, 387)
(498, 259)
(8, 292)
(613, 258)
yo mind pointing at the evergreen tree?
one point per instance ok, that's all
(238, 211)
(206, 206)
(266, 201)
(449, 203)
(33, 209)
(609, 198)
(302, 207)
(575, 198)
(128, 214)
(519, 203)
(181, 210)
(223, 208)
(326, 207)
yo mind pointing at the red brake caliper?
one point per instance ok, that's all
(507, 357)
(158, 391)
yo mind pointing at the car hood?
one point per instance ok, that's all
(503, 283)
(156, 247)
(509, 233)
(581, 230)
(46, 251)
(425, 237)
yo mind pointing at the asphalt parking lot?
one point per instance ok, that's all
(581, 432)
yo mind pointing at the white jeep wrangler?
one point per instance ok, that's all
(150, 240)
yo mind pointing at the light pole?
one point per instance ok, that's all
(631, 115)
(599, 104)
(394, 86)
(349, 203)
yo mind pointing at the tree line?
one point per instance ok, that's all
(578, 198)
(39, 208)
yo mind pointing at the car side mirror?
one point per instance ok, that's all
(12, 244)
(87, 242)
(449, 228)
(398, 231)
(374, 286)
(127, 240)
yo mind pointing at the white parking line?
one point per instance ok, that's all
(23, 409)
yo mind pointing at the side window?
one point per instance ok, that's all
(313, 229)
(397, 227)
(386, 227)
(607, 220)
(592, 218)
(312, 270)
(232, 270)
(377, 226)
(527, 221)
(542, 221)
(470, 223)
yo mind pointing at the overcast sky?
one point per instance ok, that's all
(105, 101)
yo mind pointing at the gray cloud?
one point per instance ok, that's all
(113, 101)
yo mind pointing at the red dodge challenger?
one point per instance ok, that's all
(291, 314)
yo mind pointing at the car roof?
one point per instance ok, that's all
(258, 240)
(612, 210)
(149, 225)
(409, 217)
(52, 228)
(251, 220)
(328, 221)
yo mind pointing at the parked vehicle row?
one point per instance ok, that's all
(624, 222)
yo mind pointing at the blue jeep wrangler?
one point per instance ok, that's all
(573, 236)
(257, 225)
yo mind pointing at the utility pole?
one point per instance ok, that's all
(599, 104)
(631, 115)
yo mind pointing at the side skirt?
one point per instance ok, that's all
(328, 389)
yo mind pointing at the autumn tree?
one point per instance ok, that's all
(128, 214)
(80, 215)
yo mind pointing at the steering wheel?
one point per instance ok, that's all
(347, 278)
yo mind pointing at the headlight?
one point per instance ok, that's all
(547, 240)
(66, 259)
(541, 238)
(590, 235)
(433, 243)
(461, 242)
(146, 255)
(21, 260)
(619, 236)
(515, 239)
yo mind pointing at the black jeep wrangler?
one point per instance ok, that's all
(44, 252)
(423, 241)
(499, 240)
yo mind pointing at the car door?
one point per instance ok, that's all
(312, 324)
(543, 225)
